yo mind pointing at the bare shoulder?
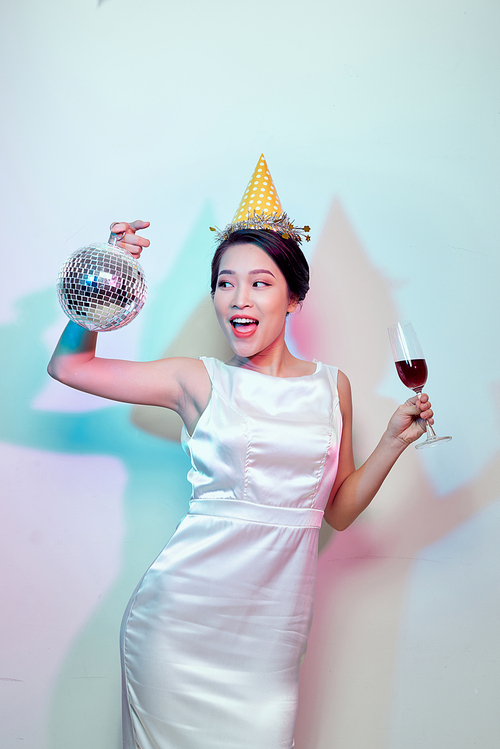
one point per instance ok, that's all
(343, 381)
(191, 374)
(195, 388)
(344, 390)
(196, 381)
(184, 367)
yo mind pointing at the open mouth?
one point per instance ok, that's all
(244, 326)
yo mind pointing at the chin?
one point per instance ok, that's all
(244, 349)
(255, 344)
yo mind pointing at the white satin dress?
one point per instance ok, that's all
(214, 635)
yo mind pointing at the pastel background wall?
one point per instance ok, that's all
(380, 123)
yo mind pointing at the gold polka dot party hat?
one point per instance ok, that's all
(260, 208)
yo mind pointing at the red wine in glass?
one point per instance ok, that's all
(411, 368)
(412, 373)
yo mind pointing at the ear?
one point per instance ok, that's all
(292, 304)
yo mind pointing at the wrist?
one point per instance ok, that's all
(394, 444)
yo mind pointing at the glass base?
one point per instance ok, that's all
(431, 442)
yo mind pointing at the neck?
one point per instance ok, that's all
(275, 360)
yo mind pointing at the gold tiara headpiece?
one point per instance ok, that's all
(260, 209)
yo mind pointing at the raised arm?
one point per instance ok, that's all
(353, 490)
(181, 384)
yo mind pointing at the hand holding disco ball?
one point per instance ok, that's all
(102, 287)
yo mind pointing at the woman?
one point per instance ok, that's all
(213, 637)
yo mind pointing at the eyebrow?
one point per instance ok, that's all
(250, 273)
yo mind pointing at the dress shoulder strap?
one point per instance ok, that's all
(332, 375)
(209, 363)
(219, 374)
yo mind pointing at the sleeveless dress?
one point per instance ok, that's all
(214, 635)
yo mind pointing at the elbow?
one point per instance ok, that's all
(338, 523)
(51, 370)
(56, 372)
(339, 526)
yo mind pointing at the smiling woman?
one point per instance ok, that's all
(214, 635)
(252, 300)
(285, 252)
(258, 278)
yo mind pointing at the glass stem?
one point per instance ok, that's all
(430, 431)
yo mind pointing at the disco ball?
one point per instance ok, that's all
(101, 287)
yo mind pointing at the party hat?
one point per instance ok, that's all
(260, 208)
(260, 195)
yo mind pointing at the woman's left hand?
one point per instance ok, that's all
(408, 422)
(129, 240)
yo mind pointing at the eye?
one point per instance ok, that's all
(259, 284)
(223, 284)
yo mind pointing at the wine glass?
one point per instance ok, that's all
(411, 368)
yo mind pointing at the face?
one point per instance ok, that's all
(251, 300)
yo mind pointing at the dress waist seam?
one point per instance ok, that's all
(299, 517)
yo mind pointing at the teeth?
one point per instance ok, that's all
(242, 320)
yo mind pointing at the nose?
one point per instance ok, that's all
(241, 297)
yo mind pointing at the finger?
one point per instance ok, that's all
(136, 225)
(413, 406)
(135, 239)
(423, 421)
(118, 227)
(134, 249)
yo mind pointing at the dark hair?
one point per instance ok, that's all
(286, 253)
